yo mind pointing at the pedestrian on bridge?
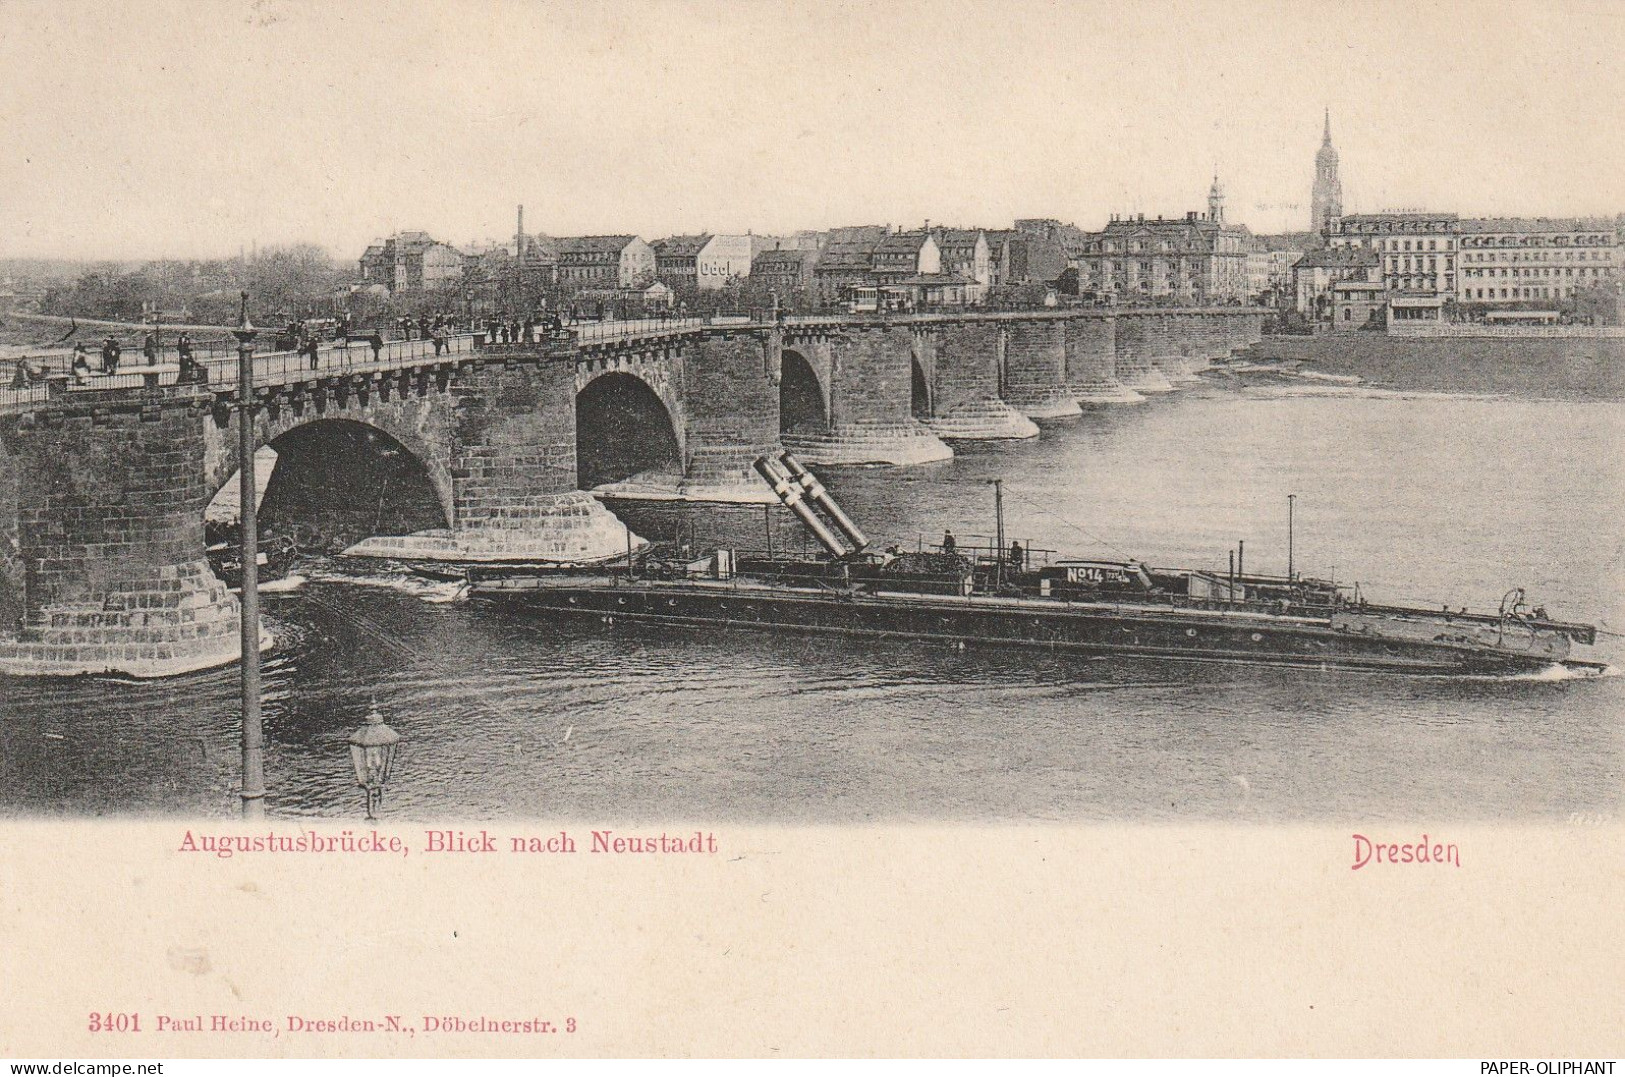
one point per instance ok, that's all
(110, 354)
(81, 363)
(149, 348)
(312, 349)
(189, 367)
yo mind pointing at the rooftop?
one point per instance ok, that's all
(1536, 224)
(681, 246)
(593, 244)
(902, 242)
(785, 256)
(1339, 258)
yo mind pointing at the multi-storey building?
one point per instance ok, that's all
(605, 261)
(412, 261)
(965, 254)
(786, 271)
(1270, 259)
(1191, 259)
(906, 254)
(703, 261)
(1317, 271)
(1518, 261)
(1019, 257)
(1418, 252)
(847, 258)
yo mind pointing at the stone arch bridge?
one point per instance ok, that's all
(492, 453)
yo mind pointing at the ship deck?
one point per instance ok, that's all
(765, 589)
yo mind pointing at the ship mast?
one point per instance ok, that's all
(1290, 498)
(998, 530)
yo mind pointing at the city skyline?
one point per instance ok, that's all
(670, 119)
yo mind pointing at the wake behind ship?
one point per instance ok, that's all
(996, 596)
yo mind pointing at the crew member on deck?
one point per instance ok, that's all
(947, 541)
(1017, 555)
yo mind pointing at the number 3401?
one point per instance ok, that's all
(115, 1022)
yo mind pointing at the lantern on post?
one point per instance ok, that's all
(372, 753)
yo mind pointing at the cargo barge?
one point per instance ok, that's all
(995, 596)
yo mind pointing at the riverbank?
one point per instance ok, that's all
(1560, 368)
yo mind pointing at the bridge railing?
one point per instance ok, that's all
(355, 356)
(598, 332)
(216, 361)
(17, 399)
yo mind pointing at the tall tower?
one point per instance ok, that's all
(1215, 201)
(1326, 199)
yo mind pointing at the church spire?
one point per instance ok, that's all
(1326, 197)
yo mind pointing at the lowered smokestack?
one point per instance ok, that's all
(789, 492)
(820, 497)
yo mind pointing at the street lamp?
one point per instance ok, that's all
(372, 753)
(253, 744)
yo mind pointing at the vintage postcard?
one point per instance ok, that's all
(812, 529)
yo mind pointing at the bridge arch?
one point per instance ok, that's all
(803, 399)
(337, 481)
(624, 428)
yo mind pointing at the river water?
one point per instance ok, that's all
(1420, 497)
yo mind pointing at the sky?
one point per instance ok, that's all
(194, 128)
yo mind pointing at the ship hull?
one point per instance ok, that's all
(1129, 631)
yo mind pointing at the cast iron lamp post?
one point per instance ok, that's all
(372, 753)
(253, 788)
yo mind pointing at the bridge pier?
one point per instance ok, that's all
(871, 375)
(1246, 328)
(1091, 362)
(1134, 354)
(961, 364)
(108, 497)
(731, 392)
(510, 447)
(1034, 364)
(1169, 341)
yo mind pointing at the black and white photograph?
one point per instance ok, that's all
(488, 430)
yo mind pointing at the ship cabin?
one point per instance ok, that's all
(1092, 579)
